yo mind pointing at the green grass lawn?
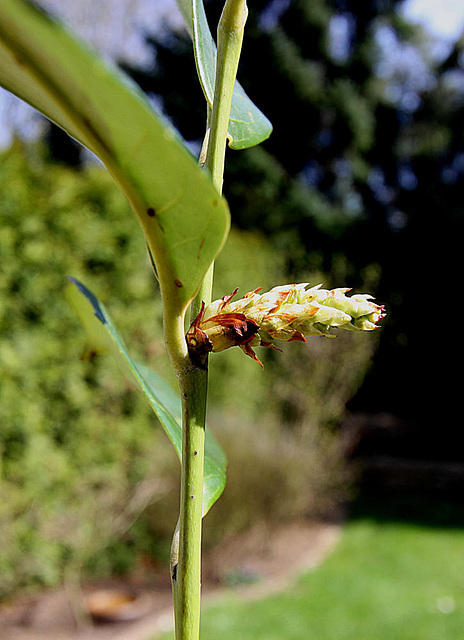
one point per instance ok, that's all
(384, 581)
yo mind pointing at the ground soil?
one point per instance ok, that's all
(253, 565)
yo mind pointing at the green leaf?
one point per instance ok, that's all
(248, 126)
(102, 336)
(184, 219)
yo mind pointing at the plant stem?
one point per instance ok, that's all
(193, 380)
(230, 37)
(187, 574)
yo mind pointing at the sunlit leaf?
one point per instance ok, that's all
(248, 126)
(102, 336)
(184, 219)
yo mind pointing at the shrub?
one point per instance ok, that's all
(80, 452)
(75, 441)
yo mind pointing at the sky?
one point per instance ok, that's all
(444, 19)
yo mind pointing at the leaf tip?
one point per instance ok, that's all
(98, 311)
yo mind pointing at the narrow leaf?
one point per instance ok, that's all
(184, 219)
(103, 336)
(248, 126)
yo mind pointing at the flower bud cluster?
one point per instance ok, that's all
(285, 313)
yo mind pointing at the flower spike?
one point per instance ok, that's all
(286, 313)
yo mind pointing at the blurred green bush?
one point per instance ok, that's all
(75, 441)
(88, 482)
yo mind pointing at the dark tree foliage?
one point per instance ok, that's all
(60, 147)
(364, 167)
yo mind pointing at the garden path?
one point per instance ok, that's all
(252, 565)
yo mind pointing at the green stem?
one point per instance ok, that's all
(187, 574)
(230, 37)
(193, 380)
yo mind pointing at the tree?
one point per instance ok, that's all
(371, 182)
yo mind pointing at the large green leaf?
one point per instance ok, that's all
(248, 126)
(184, 219)
(103, 336)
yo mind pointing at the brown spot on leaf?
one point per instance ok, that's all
(178, 283)
(200, 248)
(151, 212)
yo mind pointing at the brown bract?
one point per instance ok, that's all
(219, 333)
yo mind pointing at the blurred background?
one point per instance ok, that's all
(361, 184)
